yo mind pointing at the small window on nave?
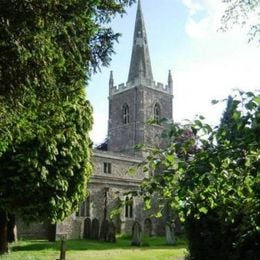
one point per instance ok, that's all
(125, 114)
(157, 113)
(107, 168)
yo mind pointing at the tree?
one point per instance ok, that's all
(48, 51)
(216, 189)
(243, 12)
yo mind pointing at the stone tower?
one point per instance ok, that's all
(140, 100)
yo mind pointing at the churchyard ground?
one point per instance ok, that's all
(153, 248)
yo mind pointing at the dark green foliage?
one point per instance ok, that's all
(215, 187)
(210, 237)
(48, 50)
(50, 168)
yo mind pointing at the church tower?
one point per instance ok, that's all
(137, 107)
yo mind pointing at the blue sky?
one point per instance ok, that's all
(183, 36)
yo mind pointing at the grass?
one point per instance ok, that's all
(153, 248)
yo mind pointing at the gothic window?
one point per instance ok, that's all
(125, 114)
(107, 167)
(84, 208)
(129, 207)
(157, 113)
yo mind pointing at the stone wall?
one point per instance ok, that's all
(141, 101)
(31, 231)
(120, 165)
(106, 190)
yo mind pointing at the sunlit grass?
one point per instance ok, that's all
(153, 248)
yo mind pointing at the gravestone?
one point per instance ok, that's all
(104, 230)
(95, 229)
(87, 228)
(111, 234)
(148, 227)
(136, 234)
(118, 224)
(169, 233)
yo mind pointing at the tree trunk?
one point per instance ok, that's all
(11, 228)
(3, 233)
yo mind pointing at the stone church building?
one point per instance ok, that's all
(131, 106)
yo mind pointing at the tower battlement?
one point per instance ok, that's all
(116, 89)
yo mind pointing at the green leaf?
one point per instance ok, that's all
(257, 99)
(203, 210)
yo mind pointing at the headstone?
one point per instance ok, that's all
(118, 224)
(169, 233)
(104, 230)
(87, 228)
(148, 227)
(95, 229)
(111, 235)
(136, 234)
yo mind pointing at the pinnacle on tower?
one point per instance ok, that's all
(170, 81)
(170, 77)
(111, 79)
(140, 66)
(111, 82)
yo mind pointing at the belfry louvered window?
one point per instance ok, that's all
(125, 114)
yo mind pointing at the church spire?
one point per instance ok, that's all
(140, 66)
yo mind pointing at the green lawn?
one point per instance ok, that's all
(153, 248)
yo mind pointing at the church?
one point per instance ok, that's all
(135, 110)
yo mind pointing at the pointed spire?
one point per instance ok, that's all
(140, 66)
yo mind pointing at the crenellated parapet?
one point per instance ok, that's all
(116, 89)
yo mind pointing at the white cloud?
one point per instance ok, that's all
(197, 29)
(193, 6)
(209, 13)
(214, 78)
(219, 63)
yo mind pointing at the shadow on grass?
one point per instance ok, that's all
(82, 244)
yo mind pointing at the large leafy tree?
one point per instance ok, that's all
(48, 50)
(215, 188)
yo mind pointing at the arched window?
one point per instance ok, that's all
(129, 207)
(157, 113)
(84, 208)
(125, 114)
